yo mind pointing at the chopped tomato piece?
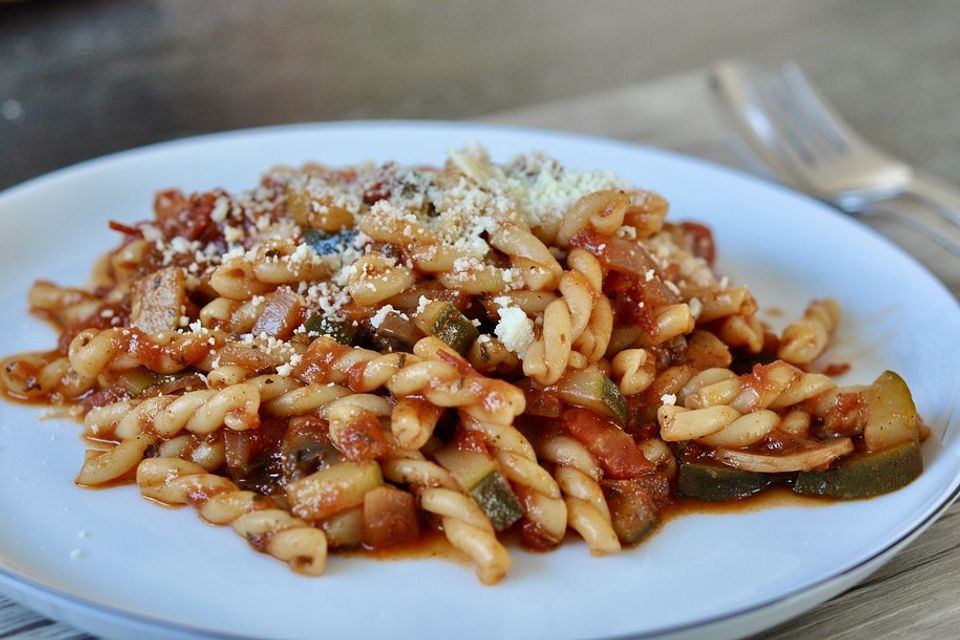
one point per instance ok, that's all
(466, 440)
(614, 449)
(701, 237)
(190, 218)
(363, 438)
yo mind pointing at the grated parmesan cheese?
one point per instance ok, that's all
(514, 330)
(696, 307)
(377, 319)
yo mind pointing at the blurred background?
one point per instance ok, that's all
(80, 78)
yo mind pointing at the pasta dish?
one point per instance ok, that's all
(354, 357)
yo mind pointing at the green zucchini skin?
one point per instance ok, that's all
(864, 475)
(713, 483)
(477, 473)
(497, 500)
(341, 331)
(631, 514)
(592, 390)
(452, 327)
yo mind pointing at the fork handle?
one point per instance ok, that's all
(921, 216)
(935, 193)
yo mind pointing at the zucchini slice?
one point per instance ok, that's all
(326, 244)
(345, 529)
(477, 473)
(590, 389)
(441, 319)
(631, 512)
(396, 334)
(864, 475)
(342, 331)
(714, 483)
(891, 415)
(138, 380)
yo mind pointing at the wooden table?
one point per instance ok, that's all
(81, 79)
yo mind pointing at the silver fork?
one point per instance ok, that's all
(789, 126)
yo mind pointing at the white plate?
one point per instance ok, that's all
(150, 571)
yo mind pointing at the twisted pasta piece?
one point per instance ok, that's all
(646, 212)
(101, 468)
(235, 316)
(227, 375)
(448, 385)
(545, 513)
(34, 375)
(220, 501)
(92, 352)
(717, 426)
(301, 400)
(541, 271)
(547, 358)
(736, 311)
(803, 341)
(464, 523)
(376, 278)
(670, 321)
(580, 321)
(348, 410)
(209, 452)
(66, 306)
(602, 210)
(723, 410)
(275, 263)
(578, 475)
(634, 369)
(413, 422)
(236, 407)
(774, 386)
(361, 370)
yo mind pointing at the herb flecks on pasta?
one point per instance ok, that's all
(347, 357)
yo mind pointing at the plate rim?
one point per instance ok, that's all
(10, 578)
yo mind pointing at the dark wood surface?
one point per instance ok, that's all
(82, 78)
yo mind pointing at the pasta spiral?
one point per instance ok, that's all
(805, 340)
(92, 352)
(268, 529)
(464, 523)
(577, 475)
(236, 407)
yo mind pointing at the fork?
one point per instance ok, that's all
(792, 129)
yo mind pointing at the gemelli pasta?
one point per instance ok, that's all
(357, 356)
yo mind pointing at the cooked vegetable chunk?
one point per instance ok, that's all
(477, 473)
(389, 517)
(632, 512)
(714, 483)
(891, 415)
(864, 475)
(590, 389)
(443, 320)
(157, 301)
(280, 316)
